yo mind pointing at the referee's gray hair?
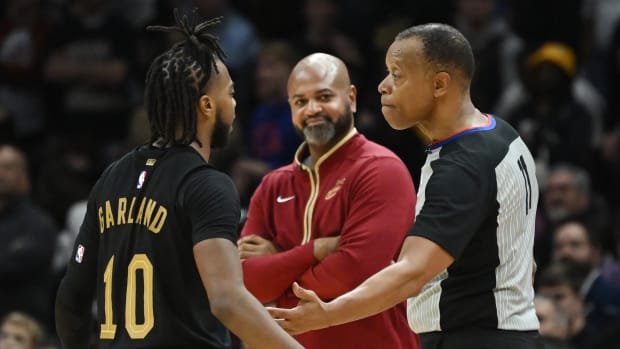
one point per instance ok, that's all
(580, 177)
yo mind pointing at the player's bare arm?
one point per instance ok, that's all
(220, 270)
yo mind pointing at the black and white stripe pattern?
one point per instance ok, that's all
(477, 199)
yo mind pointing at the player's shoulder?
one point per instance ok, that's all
(208, 174)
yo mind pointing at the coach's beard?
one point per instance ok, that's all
(320, 134)
(328, 130)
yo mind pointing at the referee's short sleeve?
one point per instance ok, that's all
(211, 202)
(456, 203)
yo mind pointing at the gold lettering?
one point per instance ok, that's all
(159, 220)
(150, 214)
(101, 223)
(122, 207)
(150, 207)
(140, 211)
(109, 216)
(129, 216)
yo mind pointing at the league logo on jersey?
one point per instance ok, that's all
(79, 254)
(141, 179)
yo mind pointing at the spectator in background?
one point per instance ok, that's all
(574, 243)
(274, 19)
(237, 34)
(66, 238)
(27, 237)
(605, 15)
(567, 21)
(7, 126)
(609, 168)
(610, 339)
(322, 33)
(89, 59)
(23, 37)
(553, 323)
(568, 195)
(239, 40)
(555, 125)
(270, 137)
(559, 282)
(66, 174)
(612, 119)
(495, 48)
(20, 331)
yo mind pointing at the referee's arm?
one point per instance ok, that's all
(420, 260)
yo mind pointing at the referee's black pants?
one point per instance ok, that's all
(478, 338)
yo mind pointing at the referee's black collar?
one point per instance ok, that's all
(441, 142)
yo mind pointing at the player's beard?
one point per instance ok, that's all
(328, 130)
(221, 132)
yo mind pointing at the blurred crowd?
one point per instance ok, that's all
(71, 90)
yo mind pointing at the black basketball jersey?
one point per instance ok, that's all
(144, 216)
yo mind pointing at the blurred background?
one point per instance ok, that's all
(71, 102)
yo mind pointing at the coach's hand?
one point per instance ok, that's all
(255, 246)
(309, 314)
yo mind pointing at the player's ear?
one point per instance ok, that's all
(206, 107)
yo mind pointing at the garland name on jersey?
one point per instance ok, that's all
(123, 211)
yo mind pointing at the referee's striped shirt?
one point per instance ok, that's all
(477, 199)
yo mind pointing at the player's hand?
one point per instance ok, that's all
(255, 246)
(323, 247)
(309, 314)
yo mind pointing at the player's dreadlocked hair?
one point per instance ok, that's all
(177, 78)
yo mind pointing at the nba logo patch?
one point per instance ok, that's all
(79, 254)
(141, 179)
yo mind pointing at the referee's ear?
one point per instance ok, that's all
(441, 84)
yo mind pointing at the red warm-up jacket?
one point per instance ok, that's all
(358, 190)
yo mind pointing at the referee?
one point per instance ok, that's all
(466, 265)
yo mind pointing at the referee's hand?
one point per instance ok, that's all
(309, 314)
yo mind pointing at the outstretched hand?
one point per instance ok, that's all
(309, 314)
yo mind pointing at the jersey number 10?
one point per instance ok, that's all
(135, 330)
